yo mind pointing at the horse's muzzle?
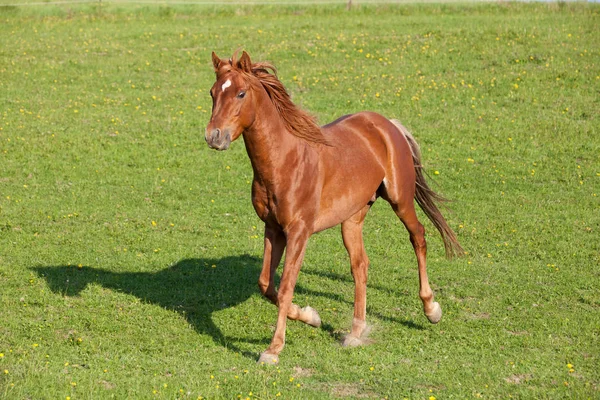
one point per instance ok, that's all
(217, 139)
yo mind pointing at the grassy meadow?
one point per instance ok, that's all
(129, 251)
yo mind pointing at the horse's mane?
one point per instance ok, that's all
(297, 121)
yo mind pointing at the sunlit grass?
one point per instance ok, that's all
(129, 251)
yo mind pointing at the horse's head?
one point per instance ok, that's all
(232, 110)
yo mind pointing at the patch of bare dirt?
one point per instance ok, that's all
(518, 379)
(300, 372)
(350, 390)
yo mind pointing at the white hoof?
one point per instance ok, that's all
(436, 314)
(268, 359)
(352, 341)
(313, 318)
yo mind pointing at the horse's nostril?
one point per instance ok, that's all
(216, 133)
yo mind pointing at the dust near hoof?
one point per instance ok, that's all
(354, 341)
(268, 359)
(436, 314)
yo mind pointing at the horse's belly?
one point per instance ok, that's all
(339, 205)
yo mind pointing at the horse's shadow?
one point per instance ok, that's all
(195, 288)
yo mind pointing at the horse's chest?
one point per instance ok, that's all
(263, 201)
(274, 207)
(261, 206)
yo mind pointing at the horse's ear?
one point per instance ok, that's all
(216, 61)
(244, 63)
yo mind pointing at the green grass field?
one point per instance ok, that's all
(129, 251)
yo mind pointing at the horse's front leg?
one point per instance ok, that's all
(296, 245)
(274, 246)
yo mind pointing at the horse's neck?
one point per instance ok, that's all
(270, 145)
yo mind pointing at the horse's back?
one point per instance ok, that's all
(367, 131)
(358, 142)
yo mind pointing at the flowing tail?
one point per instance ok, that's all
(427, 199)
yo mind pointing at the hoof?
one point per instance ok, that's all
(352, 341)
(436, 314)
(313, 316)
(268, 359)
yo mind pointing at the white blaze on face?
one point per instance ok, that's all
(226, 85)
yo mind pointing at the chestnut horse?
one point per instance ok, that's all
(309, 178)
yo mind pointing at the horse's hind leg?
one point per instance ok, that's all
(359, 262)
(406, 213)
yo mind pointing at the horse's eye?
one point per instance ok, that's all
(241, 94)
